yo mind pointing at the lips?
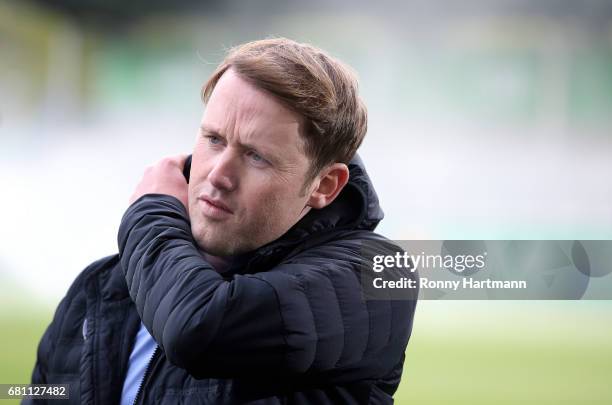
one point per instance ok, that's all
(218, 204)
(215, 208)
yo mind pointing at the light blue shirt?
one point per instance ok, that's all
(144, 347)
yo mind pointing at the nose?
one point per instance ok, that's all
(223, 174)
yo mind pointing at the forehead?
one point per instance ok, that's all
(238, 108)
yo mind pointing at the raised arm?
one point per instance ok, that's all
(304, 316)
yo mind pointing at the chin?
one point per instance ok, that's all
(206, 235)
(215, 247)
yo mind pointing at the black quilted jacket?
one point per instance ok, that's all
(286, 324)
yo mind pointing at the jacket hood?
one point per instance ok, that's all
(360, 182)
(356, 207)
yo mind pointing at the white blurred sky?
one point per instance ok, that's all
(63, 198)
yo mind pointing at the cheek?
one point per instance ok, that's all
(191, 196)
(258, 203)
(275, 205)
(200, 167)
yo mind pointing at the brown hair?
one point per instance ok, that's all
(320, 88)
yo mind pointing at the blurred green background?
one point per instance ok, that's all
(487, 120)
(462, 352)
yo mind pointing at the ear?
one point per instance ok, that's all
(329, 183)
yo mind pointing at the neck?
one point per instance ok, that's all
(220, 263)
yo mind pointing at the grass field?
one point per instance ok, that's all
(460, 352)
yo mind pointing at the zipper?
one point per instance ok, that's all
(146, 374)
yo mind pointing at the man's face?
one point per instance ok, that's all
(248, 170)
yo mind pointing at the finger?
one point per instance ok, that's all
(180, 159)
(175, 161)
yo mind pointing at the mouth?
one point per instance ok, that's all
(215, 208)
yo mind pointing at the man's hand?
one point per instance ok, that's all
(164, 177)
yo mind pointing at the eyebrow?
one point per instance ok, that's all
(269, 155)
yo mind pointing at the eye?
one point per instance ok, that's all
(213, 140)
(256, 158)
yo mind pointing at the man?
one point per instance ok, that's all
(243, 284)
